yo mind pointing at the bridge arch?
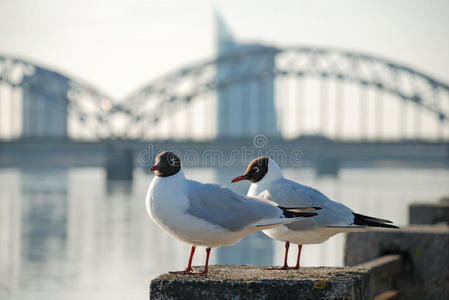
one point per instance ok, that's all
(95, 115)
(75, 107)
(146, 104)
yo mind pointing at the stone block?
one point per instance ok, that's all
(425, 255)
(248, 282)
(429, 213)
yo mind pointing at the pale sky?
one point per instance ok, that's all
(120, 45)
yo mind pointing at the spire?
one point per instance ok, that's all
(224, 40)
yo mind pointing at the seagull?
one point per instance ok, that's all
(268, 183)
(207, 214)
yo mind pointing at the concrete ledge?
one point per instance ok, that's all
(425, 257)
(247, 282)
(384, 271)
(429, 213)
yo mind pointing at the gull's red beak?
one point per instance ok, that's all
(153, 168)
(239, 178)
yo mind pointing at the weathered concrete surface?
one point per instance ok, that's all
(383, 273)
(429, 213)
(247, 282)
(425, 251)
(445, 200)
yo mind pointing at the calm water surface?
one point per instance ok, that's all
(67, 234)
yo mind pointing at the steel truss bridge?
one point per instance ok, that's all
(338, 95)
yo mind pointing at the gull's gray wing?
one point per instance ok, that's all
(222, 206)
(289, 193)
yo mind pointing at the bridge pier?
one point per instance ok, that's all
(327, 166)
(119, 164)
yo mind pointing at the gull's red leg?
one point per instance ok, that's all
(287, 245)
(189, 265)
(285, 266)
(299, 255)
(206, 265)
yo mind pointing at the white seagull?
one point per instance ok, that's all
(268, 183)
(207, 214)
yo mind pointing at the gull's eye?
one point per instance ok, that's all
(256, 169)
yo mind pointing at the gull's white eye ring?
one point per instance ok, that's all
(256, 169)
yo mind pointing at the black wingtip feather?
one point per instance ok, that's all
(300, 208)
(371, 221)
(373, 218)
(294, 214)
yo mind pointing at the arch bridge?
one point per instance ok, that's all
(317, 91)
(290, 95)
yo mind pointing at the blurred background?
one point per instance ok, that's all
(349, 97)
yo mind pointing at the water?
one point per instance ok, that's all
(67, 234)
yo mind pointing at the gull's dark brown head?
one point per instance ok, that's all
(166, 164)
(256, 170)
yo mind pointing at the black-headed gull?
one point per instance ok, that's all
(207, 214)
(267, 182)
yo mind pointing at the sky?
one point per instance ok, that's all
(120, 45)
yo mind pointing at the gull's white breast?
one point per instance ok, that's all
(167, 204)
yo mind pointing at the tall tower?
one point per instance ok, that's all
(245, 108)
(45, 104)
